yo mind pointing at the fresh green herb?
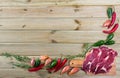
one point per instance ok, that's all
(17, 57)
(6, 54)
(21, 65)
(86, 48)
(109, 37)
(53, 63)
(110, 42)
(37, 62)
(109, 12)
(70, 56)
(99, 43)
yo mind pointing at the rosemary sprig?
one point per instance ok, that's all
(17, 57)
(21, 65)
(86, 48)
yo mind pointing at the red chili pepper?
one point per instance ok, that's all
(36, 68)
(61, 65)
(106, 23)
(112, 30)
(112, 20)
(58, 64)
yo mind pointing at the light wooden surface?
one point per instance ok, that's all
(53, 27)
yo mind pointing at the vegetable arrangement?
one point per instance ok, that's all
(70, 65)
(110, 22)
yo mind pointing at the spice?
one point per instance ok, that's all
(61, 65)
(99, 43)
(37, 62)
(112, 20)
(112, 30)
(36, 68)
(109, 12)
(53, 63)
(57, 65)
(110, 42)
(106, 23)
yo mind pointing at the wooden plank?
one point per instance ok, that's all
(25, 36)
(13, 73)
(54, 11)
(43, 49)
(39, 23)
(40, 49)
(94, 2)
(117, 10)
(80, 36)
(57, 2)
(43, 73)
(83, 24)
(53, 36)
(34, 0)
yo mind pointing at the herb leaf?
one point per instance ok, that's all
(17, 57)
(86, 48)
(21, 65)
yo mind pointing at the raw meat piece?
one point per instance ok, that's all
(99, 60)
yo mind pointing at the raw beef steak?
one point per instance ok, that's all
(99, 60)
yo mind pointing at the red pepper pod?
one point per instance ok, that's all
(57, 65)
(61, 65)
(112, 30)
(106, 23)
(112, 20)
(36, 68)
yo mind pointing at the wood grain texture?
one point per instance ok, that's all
(43, 49)
(48, 11)
(19, 73)
(79, 24)
(82, 24)
(52, 27)
(40, 49)
(117, 9)
(53, 36)
(54, 11)
(57, 2)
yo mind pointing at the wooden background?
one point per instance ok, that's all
(53, 27)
